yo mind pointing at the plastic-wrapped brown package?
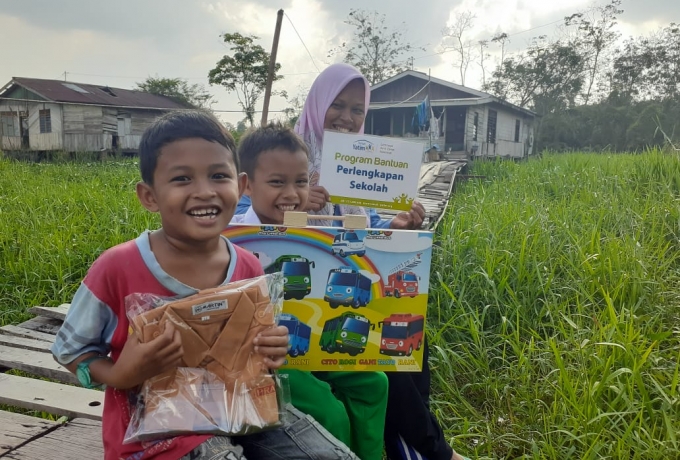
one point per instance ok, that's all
(222, 386)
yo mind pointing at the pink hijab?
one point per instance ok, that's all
(321, 95)
(309, 126)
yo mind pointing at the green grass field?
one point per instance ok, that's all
(556, 318)
(554, 310)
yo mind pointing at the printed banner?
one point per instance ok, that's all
(354, 299)
(370, 171)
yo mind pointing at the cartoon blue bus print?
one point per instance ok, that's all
(298, 334)
(346, 286)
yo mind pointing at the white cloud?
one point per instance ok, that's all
(400, 242)
(178, 38)
(374, 277)
(630, 29)
(45, 53)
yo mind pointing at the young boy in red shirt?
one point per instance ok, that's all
(190, 176)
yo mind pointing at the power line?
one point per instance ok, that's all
(508, 35)
(404, 101)
(310, 56)
(534, 28)
(124, 76)
(303, 43)
(184, 78)
(166, 109)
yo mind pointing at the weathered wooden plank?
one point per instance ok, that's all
(51, 312)
(42, 324)
(430, 191)
(50, 397)
(447, 202)
(432, 202)
(16, 429)
(434, 190)
(36, 363)
(25, 343)
(79, 438)
(18, 331)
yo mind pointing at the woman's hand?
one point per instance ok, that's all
(411, 220)
(318, 197)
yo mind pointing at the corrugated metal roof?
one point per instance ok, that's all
(481, 96)
(82, 93)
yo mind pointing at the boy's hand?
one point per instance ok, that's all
(318, 197)
(272, 343)
(141, 361)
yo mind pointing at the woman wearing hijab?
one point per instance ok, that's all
(338, 101)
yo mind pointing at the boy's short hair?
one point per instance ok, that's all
(176, 126)
(257, 141)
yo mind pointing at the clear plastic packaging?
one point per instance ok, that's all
(222, 385)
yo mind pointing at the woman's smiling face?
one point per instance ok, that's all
(348, 111)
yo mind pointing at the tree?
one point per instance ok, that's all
(596, 33)
(548, 76)
(244, 72)
(236, 131)
(295, 105)
(649, 67)
(374, 49)
(483, 55)
(179, 90)
(501, 38)
(455, 39)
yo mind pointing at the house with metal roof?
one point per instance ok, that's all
(52, 115)
(458, 120)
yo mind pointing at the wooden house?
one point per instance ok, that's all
(465, 122)
(51, 115)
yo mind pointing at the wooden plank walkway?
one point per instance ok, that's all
(17, 429)
(54, 398)
(25, 347)
(434, 189)
(52, 389)
(78, 438)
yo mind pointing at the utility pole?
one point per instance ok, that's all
(429, 103)
(272, 67)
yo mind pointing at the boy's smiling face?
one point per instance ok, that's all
(196, 188)
(280, 183)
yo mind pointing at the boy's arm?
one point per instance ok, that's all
(88, 331)
(137, 361)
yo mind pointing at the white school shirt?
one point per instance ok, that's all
(248, 218)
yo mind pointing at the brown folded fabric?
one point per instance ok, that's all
(223, 386)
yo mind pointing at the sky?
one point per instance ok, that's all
(119, 44)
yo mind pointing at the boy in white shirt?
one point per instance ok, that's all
(275, 160)
(350, 405)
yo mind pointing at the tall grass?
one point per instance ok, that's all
(555, 312)
(55, 219)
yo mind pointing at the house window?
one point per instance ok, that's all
(491, 127)
(518, 123)
(475, 126)
(7, 126)
(45, 121)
